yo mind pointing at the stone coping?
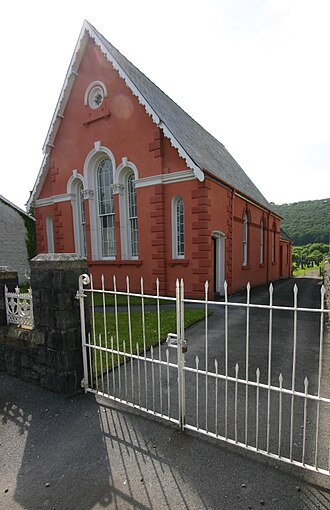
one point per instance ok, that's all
(58, 261)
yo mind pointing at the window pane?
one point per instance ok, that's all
(132, 216)
(180, 228)
(106, 208)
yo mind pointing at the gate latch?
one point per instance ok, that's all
(172, 341)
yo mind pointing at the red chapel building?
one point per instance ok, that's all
(132, 182)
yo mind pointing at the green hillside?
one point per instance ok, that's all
(306, 222)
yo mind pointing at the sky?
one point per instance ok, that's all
(254, 73)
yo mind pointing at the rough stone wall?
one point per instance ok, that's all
(50, 355)
(13, 251)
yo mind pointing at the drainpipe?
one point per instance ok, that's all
(267, 250)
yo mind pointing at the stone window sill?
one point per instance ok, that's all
(178, 262)
(117, 263)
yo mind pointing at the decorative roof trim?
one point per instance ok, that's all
(142, 100)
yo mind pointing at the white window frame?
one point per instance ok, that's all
(178, 229)
(124, 171)
(89, 175)
(81, 212)
(245, 239)
(102, 231)
(50, 234)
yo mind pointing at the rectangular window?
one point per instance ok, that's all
(245, 240)
(273, 247)
(50, 234)
(180, 229)
(106, 208)
(132, 216)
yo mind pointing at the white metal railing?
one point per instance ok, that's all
(253, 382)
(19, 308)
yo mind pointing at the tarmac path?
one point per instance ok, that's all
(89, 452)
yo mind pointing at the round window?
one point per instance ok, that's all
(95, 97)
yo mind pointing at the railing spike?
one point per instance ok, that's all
(127, 283)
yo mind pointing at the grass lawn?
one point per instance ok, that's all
(307, 270)
(149, 331)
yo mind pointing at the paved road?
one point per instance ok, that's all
(228, 406)
(89, 453)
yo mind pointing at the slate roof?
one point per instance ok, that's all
(284, 236)
(205, 150)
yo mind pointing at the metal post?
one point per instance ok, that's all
(180, 354)
(83, 280)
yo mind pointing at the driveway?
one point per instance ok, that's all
(91, 453)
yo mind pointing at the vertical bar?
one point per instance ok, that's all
(104, 326)
(269, 360)
(280, 379)
(101, 363)
(144, 345)
(319, 376)
(113, 368)
(197, 393)
(247, 348)
(206, 355)
(305, 420)
(90, 361)
(294, 355)
(83, 280)
(226, 360)
(117, 333)
(168, 384)
(95, 364)
(139, 373)
(130, 337)
(159, 351)
(257, 409)
(179, 313)
(125, 370)
(153, 377)
(216, 395)
(107, 364)
(236, 384)
(94, 333)
(183, 374)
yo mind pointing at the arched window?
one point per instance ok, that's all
(245, 239)
(132, 217)
(273, 244)
(82, 244)
(178, 228)
(106, 208)
(262, 236)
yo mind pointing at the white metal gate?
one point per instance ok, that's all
(215, 388)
